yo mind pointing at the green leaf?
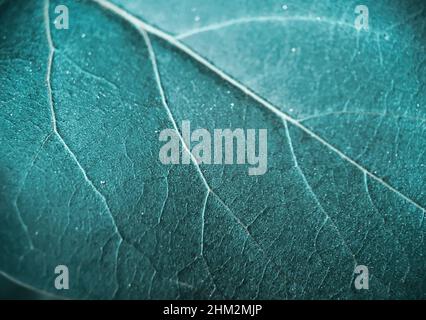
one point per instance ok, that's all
(81, 184)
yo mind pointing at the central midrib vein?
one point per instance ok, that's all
(138, 23)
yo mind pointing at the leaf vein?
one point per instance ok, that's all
(141, 25)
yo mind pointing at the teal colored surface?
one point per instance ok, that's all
(12, 290)
(93, 195)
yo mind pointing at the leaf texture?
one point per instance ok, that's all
(81, 183)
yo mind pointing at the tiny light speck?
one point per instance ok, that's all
(232, 104)
(83, 35)
(197, 18)
(285, 7)
(293, 49)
